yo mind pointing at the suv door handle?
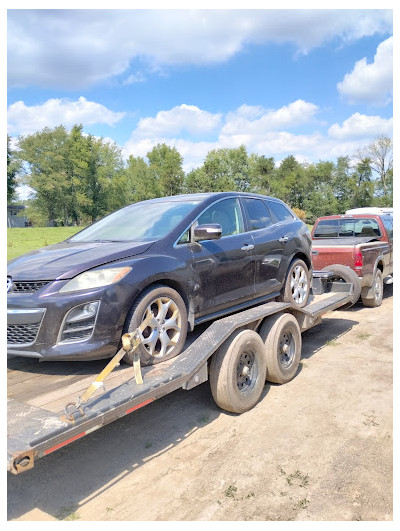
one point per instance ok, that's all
(283, 239)
(247, 247)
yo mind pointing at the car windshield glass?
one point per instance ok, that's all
(138, 222)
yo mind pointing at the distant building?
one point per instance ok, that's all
(13, 219)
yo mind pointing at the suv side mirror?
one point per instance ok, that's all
(211, 231)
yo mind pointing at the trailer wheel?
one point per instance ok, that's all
(297, 284)
(343, 273)
(237, 372)
(282, 347)
(377, 286)
(166, 339)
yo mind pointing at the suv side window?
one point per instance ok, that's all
(258, 214)
(227, 213)
(280, 211)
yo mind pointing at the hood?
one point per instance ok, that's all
(67, 259)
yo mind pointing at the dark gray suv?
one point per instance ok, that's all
(186, 259)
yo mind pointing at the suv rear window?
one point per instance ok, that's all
(257, 213)
(347, 228)
(280, 211)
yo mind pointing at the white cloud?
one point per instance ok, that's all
(181, 118)
(258, 121)
(274, 133)
(359, 126)
(76, 48)
(23, 119)
(371, 82)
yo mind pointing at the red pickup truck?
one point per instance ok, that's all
(360, 243)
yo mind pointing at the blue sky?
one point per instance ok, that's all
(316, 84)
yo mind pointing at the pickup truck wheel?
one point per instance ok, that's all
(377, 286)
(165, 339)
(297, 284)
(343, 273)
(237, 372)
(282, 347)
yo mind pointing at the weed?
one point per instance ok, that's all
(68, 514)
(370, 420)
(363, 336)
(148, 445)
(203, 419)
(332, 343)
(250, 495)
(302, 480)
(302, 504)
(230, 491)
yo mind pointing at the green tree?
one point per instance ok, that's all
(364, 186)
(72, 174)
(380, 155)
(165, 166)
(13, 167)
(291, 183)
(141, 183)
(44, 154)
(320, 199)
(227, 169)
(196, 181)
(343, 184)
(262, 173)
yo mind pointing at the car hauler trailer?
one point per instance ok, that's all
(237, 353)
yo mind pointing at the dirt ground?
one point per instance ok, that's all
(317, 448)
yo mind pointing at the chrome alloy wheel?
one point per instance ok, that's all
(299, 284)
(162, 335)
(246, 371)
(287, 349)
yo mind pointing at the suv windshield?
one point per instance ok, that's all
(344, 228)
(137, 222)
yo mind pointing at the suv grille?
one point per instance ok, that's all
(18, 334)
(28, 286)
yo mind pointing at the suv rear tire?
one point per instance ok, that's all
(297, 284)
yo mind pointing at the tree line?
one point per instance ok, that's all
(77, 178)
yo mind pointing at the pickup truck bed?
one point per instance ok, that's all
(345, 250)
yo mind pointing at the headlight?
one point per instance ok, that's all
(96, 279)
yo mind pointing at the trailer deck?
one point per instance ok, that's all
(38, 392)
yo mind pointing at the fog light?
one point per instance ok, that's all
(83, 312)
(79, 322)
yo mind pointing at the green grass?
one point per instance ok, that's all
(21, 241)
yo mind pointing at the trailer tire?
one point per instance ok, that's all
(282, 347)
(378, 291)
(343, 273)
(170, 312)
(237, 372)
(296, 289)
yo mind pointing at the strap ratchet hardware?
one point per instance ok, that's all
(130, 342)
